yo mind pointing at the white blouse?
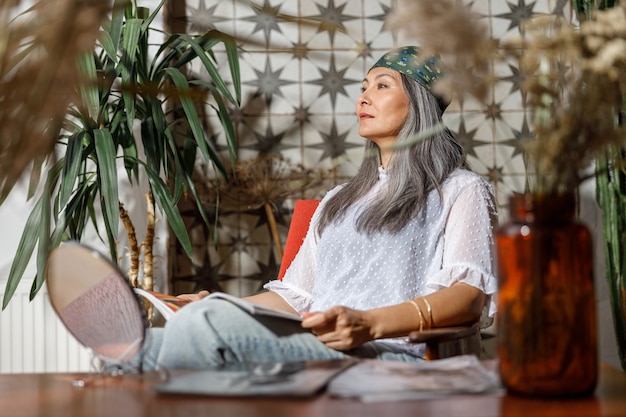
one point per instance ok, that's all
(450, 241)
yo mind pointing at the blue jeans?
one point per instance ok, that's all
(212, 333)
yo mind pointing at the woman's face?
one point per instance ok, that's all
(382, 107)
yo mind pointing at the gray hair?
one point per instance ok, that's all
(416, 168)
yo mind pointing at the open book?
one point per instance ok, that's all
(168, 305)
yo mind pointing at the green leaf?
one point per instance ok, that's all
(148, 21)
(24, 253)
(190, 110)
(131, 154)
(76, 214)
(71, 169)
(130, 38)
(229, 130)
(6, 185)
(107, 178)
(33, 230)
(117, 21)
(171, 52)
(200, 52)
(169, 206)
(43, 247)
(232, 53)
(89, 90)
(194, 191)
(108, 46)
(35, 175)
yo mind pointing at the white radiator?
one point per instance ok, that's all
(33, 339)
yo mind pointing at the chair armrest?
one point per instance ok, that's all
(449, 341)
(441, 334)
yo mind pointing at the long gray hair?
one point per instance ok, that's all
(416, 168)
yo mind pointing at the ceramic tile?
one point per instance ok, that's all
(289, 7)
(374, 8)
(501, 29)
(309, 116)
(352, 7)
(482, 7)
(500, 6)
(511, 164)
(469, 104)
(507, 101)
(382, 40)
(542, 7)
(204, 15)
(353, 31)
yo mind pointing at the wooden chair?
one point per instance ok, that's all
(440, 342)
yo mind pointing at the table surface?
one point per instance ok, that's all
(132, 395)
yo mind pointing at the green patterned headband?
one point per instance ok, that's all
(406, 60)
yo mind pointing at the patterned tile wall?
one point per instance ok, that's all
(301, 67)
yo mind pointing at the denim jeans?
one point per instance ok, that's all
(211, 333)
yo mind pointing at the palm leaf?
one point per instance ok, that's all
(24, 253)
(165, 201)
(107, 176)
(127, 88)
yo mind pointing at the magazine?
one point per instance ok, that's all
(374, 380)
(168, 305)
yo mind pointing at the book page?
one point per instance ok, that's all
(168, 305)
(253, 308)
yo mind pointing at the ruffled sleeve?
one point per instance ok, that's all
(469, 249)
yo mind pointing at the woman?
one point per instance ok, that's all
(407, 244)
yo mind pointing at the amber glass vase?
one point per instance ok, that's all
(546, 320)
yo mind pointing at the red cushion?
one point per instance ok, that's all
(302, 213)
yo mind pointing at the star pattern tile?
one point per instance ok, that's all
(268, 82)
(302, 114)
(331, 19)
(267, 142)
(560, 8)
(201, 19)
(333, 81)
(265, 19)
(519, 137)
(302, 100)
(334, 144)
(519, 13)
(300, 50)
(467, 139)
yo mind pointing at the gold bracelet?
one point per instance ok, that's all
(419, 311)
(430, 312)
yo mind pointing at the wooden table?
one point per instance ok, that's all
(32, 395)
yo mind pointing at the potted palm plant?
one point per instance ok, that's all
(127, 91)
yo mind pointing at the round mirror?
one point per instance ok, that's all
(95, 302)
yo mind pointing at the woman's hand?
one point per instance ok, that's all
(340, 328)
(193, 297)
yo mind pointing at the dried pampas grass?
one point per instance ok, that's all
(450, 29)
(574, 78)
(39, 50)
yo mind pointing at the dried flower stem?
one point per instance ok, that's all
(271, 219)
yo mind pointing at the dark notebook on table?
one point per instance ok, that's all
(289, 379)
